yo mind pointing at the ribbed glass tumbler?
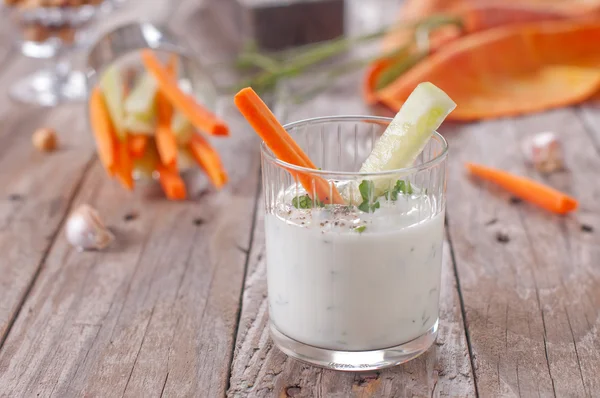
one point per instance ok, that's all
(353, 259)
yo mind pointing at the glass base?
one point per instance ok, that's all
(353, 361)
(46, 88)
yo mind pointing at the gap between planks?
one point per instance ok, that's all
(243, 288)
(461, 301)
(55, 234)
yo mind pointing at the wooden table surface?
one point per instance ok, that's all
(177, 307)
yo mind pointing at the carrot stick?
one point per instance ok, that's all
(172, 183)
(532, 191)
(199, 116)
(208, 158)
(173, 66)
(124, 170)
(282, 144)
(137, 145)
(167, 146)
(165, 139)
(104, 132)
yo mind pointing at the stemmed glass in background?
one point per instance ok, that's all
(52, 29)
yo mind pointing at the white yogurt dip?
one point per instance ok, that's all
(335, 288)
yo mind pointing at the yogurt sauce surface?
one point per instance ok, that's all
(333, 287)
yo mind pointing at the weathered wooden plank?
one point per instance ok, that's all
(590, 114)
(155, 313)
(532, 303)
(36, 188)
(35, 194)
(261, 370)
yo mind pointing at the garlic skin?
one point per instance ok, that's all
(85, 230)
(544, 151)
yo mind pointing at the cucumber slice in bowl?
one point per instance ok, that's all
(141, 99)
(182, 128)
(112, 88)
(137, 125)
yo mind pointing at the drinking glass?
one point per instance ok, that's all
(354, 284)
(52, 32)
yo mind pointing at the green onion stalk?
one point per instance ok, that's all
(269, 69)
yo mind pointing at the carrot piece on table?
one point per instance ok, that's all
(124, 172)
(526, 189)
(199, 116)
(550, 71)
(282, 144)
(137, 145)
(208, 158)
(104, 132)
(172, 183)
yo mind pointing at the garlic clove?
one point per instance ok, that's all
(544, 152)
(86, 231)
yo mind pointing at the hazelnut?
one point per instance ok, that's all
(44, 139)
(66, 34)
(57, 3)
(31, 4)
(36, 32)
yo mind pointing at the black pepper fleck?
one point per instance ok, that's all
(198, 222)
(515, 201)
(502, 237)
(492, 221)
(587, 228)
(15, 197)
(130, 216)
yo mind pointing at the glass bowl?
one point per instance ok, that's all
(121, 47)
(51, 29)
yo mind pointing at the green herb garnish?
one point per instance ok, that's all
(367, 191)
(367, 208)
(305, 202)
(360, 229)
(302, 202)
(401, 186)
